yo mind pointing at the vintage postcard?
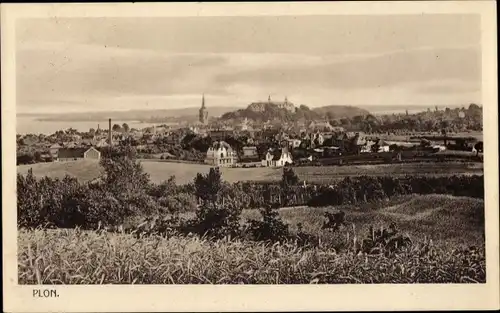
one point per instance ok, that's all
(285, 156)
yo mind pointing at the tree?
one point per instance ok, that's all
(425, 143)
(125, 127)
(214, 218)
(334, 123)
(25, 158)
(345, 121)
(473, 107)
(208, 187)
(71, 131)
(289, 177)
(358, 119)
(288, 180)
(375, 147)
(116, 128)
(479, 147)
(123, 174)
(368, 128)
(37, 156)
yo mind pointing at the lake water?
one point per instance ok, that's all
(30, 125)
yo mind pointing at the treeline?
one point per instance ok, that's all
(351, 190)
(124, 191)
(32, 157)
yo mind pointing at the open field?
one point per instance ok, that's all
(448, 220)
(444, 218)
(86, 170)
(78, 257)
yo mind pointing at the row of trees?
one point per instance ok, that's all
(449, 120)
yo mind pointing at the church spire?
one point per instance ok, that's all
(269, 99)
(203, 116)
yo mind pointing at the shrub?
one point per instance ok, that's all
(288, 180)
(47, 201)
(178, 203)
(216, 217)
(122, 172)
(215, 220)
(270, 228)
(208, 187)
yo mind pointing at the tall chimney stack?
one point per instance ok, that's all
(109, 134)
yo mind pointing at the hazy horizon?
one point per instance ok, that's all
(374, 109)
(110, 64)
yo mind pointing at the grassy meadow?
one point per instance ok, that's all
(86, 170)
(72, 256)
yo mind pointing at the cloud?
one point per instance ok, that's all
(59, 71)
(369, 71)
(449, 87)
(122, 63)
(305, 34)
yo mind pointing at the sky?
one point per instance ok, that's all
(92, 64)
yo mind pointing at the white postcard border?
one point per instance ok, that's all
(255, 297)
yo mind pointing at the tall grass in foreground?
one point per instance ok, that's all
(78, 257)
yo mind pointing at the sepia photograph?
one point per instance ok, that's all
(249, 149)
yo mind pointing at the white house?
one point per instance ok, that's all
(368, 146)
(277, 158)
(318, 138)
(383, 146)
(221, 154)
(294, 143)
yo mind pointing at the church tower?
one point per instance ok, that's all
(203, 112)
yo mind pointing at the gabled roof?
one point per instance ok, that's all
(221, 144)
(277, 153)
(91, 148)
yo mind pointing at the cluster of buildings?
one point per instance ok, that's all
(316, 138)
(223, 155)
(82, 148)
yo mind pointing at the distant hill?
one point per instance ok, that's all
(340, 111)
(163, 115)
(287, 111)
